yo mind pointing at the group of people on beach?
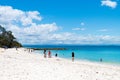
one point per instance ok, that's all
(73, 55)
(49, 54)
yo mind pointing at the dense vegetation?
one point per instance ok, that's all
(7, 39)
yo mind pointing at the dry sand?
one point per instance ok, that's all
(22, 65)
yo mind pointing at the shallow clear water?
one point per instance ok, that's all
(109, 54)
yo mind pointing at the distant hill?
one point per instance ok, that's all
(7, 39)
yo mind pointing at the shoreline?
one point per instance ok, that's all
(21, 64)
(84, 60)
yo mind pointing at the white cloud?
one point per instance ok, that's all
(103, 30)
(41, 29)
(82, 23)
(23, 25)
(9, 15)
(109, 3)
(80, 29)
(27, 31)
(35, 34)
(72, 38)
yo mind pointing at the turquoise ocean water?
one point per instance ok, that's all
(108, 53)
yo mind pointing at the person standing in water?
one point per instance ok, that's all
(73, 55)
(56, 55)
(44, 53)
(49, 54)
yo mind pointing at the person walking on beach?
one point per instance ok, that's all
(73, 55)
(49, 54)
(44, 53)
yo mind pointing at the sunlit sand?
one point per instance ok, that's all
(23, 65)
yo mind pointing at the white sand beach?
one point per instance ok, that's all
(22, 65)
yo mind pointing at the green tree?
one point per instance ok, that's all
(7, 39)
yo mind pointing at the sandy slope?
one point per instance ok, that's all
(22, 65)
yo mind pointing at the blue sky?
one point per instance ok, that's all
(63, 21)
